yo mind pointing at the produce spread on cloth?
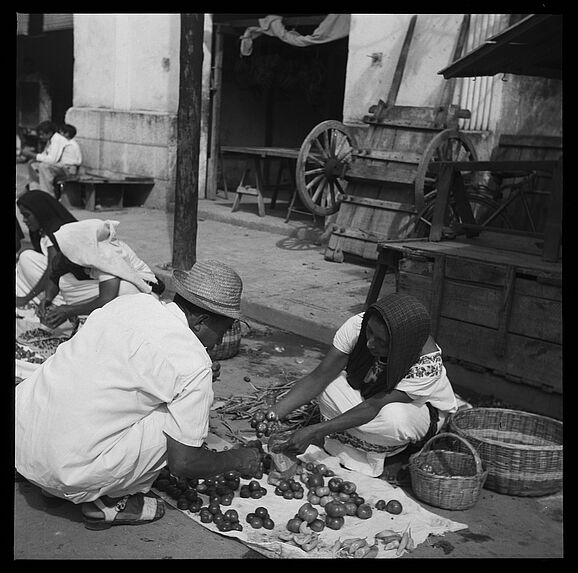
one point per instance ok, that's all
(281, 515)
(36, 342)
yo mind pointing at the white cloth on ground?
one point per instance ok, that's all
(92, 419)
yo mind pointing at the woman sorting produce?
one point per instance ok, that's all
(91, 248)
(381, 388)
(44, 215)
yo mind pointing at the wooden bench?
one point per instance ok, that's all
(85, 189)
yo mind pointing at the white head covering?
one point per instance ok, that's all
(93, 243)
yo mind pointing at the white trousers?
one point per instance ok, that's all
(365, 447)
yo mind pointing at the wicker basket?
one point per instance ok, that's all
(522, 452)
(230, 344)
(447, 478)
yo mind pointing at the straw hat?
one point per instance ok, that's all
(211, 285)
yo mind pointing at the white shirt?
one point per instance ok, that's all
(426, 380)
(71, 154)
(131, 357)
(53, 151)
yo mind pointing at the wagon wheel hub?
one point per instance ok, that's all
(334, 168)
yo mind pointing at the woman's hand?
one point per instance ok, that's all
(302, 439)
(56, 315)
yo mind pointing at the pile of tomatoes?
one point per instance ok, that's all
(336, 497)
(265, 424)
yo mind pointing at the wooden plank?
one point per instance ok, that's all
(437, 289)
(466, 250)
(544, 165)
(382, 155)
(394, 174)
(379, 203)
(553, 228)
(277, 152)
(403, 124)
(535, 361)
(400, 67)
(215, 137)
(473, 303)
(504, 312)
(535, 141)
(445, 182)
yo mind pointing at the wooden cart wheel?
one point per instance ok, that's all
(448, 145)
(320, 172)
(483, 209)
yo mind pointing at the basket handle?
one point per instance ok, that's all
(477, 459)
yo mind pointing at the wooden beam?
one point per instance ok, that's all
(216, 89)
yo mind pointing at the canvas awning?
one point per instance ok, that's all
(531, 47)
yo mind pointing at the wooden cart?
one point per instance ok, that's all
(379, 187)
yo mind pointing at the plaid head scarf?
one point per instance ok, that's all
(408, 324)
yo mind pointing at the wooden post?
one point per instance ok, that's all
(188, 139)
(445, 182)
(216, 83)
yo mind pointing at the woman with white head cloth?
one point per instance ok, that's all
(93, 248)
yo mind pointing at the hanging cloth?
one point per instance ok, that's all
(333, 27)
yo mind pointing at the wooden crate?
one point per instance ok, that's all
(496, 310)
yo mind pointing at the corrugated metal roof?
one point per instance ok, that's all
(532, 47)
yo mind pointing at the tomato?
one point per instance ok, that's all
(249, 517)
(320, 469)
(343, 496)
(329, 473)
(393, 506)
(227, 499)
(350, 508)
(283, 485)
(236, 527)
(277, 491)
(233, 484)
(380, 504)
(261, 427)
(322, 491)
(335, 509)
(222, 489)
(325, 500)
(317, 525)
(210, 481)
(261, 512)
(232, 515)
(218, 518)
(245, 491)
(348, 487)
(295, 486)
(288, 494)
(298, 494)
(309, 466)
(202, 488)
(256, 494)
(220, 479)
(214, 508)
(313, 499)
(183, 503)
(191, 495)
(259, 416)
(268, 523)
(224, 526)
(256, 523)
(364, 511)
(334, 522)
(195, 506)
(303, 478)
(293, 524)
(307, 512)
(357, 499)
(263, 491)
(334, 483)
(315, 480)
(254, 485)
(206, 516)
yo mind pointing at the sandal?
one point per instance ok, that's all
(130, 510)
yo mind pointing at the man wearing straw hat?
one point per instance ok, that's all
(128, 394)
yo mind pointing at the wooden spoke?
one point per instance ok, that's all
(322, 159)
